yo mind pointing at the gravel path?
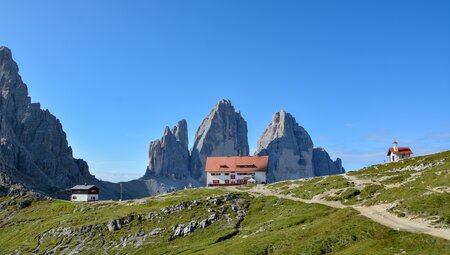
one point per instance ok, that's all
(377, 213)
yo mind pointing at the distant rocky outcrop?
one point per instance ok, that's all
(291, 153)
(323, 165)
(222, 133)
(289, 148)
(33, 146)
(168, 165)
(169, 156)
(172, 167)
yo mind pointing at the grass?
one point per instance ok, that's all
(410, 182)
(309, 188)
(296, 228)
(271, 225)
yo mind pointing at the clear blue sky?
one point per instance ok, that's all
(355, 74)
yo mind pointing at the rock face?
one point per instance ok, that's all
(33, 146)
(291, 153)
(222, 133)
(289, 148)
(35, 155)
(169, 157)
(323, 165)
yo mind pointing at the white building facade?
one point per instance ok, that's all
(238, 170)
(396, 153)
(84, 193)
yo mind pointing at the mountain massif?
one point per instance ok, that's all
(224, 133)
(392, 208)
(35, 154)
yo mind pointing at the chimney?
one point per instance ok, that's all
(395, 146)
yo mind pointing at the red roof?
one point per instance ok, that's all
(401, 151)
(237, 164)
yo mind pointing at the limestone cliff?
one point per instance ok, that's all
(291, 153)
(289, 148)
(222, 133)
(33, 146)
(169, 156)
(323, 165)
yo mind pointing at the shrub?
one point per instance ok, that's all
(369, 190)
(349, 193)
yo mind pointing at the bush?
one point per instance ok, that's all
(23, 203)
(401, 214)
(349, 193)
(369, 190)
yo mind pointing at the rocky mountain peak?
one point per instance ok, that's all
(181, 133)
(34, 150)
(289, 148)
(284, 126)
(167, 131)
(169, 156)
(291, 153)
(222, 133)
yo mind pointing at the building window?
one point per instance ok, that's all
(74, 197)
(227, 173)
(233, 176)
(215, 181)
(227, 181)
(246, 166)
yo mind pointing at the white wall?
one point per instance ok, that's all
(83, 197)
(398, 157)
(260, 177)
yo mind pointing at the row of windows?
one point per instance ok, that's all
(231, 182)
(233, 173)
(90, 198)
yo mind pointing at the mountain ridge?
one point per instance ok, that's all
(35, 153)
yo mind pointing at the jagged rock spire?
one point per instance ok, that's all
(34, 149)
(222, 133)
(289, 148)
(291, 153)
(169, 156)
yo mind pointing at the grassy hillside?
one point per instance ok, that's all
(239, 221)
(416, 187)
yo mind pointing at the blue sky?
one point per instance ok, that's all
(355, 74)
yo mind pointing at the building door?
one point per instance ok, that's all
(393, 158)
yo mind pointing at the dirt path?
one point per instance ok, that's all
(377, 213)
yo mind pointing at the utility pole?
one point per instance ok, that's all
(121, 192)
